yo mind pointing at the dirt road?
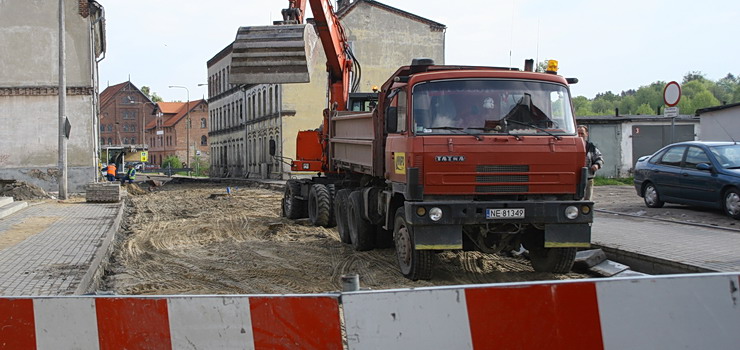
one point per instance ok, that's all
(196, 239)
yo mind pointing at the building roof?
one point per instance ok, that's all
(347, 9)
(111, 91)
(633, 118)
(715, 108)
(220, 55)
(173, 112)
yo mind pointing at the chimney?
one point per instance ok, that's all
(616, 112)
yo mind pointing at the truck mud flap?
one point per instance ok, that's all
(272, 54)
(438, 237)
(567, 235)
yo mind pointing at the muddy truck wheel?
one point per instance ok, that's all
(319, 205)
(360, 230)
(293, 207)
(554, 260)
(340, 214)
(414, 264)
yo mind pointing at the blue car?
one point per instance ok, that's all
(705, 174)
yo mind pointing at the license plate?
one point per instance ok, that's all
(504, 213)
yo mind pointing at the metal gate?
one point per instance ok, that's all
(646, 139)
(607, 138)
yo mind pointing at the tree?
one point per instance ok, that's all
(693, 76)
(171, 162)
(151, 95)
(645, 109)
(703, 100)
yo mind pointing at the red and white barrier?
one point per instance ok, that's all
(699, 311)
(671, 312)
(177, 322)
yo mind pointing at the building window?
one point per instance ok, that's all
(110, 141)
(125, 141)
(203, 140)
(110, 127)
(202, 123)
(133, 140)
(102, 128)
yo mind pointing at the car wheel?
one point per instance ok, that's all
(651, 197)
(732, 203)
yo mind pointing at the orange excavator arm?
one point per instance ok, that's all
(338, 62)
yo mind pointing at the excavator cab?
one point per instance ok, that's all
(275, 54)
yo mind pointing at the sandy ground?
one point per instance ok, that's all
(624, 199)
(196, 239)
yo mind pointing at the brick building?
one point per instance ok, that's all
(124, 112)
(167, 134)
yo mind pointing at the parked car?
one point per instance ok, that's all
(697, 173)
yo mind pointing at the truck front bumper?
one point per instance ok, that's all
(446, 233)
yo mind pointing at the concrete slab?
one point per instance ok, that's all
(11, 208)
(5, 201)
(609, 268)
(588, 258)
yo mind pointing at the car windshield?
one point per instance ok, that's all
(728, 156)
(492, 107)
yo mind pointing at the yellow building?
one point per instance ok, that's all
(246, 120)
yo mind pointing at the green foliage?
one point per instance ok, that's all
(603, 181)
(151, 95)
(171, 162)
(200, 166)
(696, 92)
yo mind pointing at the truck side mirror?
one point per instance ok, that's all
(273, 146)
(391, 120)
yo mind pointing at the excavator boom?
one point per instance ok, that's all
(281, 53)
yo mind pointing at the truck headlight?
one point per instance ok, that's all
(571, 212)
(435, 214)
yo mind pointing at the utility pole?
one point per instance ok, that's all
(62, 106)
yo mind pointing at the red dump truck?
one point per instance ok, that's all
(450, 158)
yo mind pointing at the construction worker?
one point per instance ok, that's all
(130, 174)
(111, 174)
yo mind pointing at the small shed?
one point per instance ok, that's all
(720, 123)
(622, 139)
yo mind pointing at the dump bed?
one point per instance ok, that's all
(355, 143)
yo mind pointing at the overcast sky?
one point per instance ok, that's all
(607, 45)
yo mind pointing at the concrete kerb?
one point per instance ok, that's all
(91, 280)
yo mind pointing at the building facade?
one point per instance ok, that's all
(720, 123)
(29, 94)
(247, 121)
(170, 134)
(124, 113)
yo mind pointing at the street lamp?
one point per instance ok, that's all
(143, 118)
(187, 124)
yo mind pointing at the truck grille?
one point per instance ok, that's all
(502, 178)
(502, 168)
(502, 189)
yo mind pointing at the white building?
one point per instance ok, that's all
(720, 123)
(29, 80)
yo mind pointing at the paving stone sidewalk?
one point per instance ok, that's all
(55, 248)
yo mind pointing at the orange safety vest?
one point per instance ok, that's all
(111, 169)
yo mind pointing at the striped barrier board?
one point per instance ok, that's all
(669, 312)
(700, 311)
(177, 322)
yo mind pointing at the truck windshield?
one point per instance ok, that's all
(492, 107)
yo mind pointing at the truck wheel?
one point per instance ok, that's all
(556, 260)
(293, 208)
(319, 205)
(333, 195)
(414, 264)
(360, 230)
(340, 213)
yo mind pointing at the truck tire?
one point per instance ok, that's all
(555, 260)
(333, 195)
(414, 264)
(319, 205)
(293, 207)
(360, 230)
(340, 213)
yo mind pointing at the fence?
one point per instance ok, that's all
(699, 311)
